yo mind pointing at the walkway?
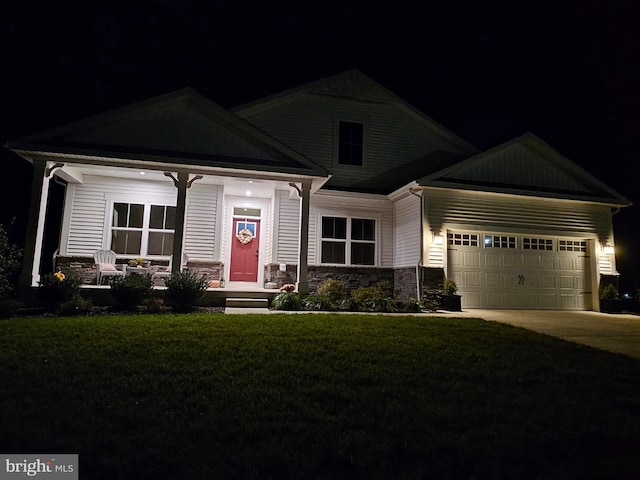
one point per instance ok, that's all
(618, 333)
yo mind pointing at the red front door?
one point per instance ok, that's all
(245, 251)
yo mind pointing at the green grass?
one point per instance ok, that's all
(315, 396)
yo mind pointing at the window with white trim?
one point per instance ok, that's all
(142, 229)
(348, 241)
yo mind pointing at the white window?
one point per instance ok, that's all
(499, 241)
(572, 245)
(142, 229)
(348, 241)
(463, 239)
(537, 244)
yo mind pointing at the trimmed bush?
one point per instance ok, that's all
(316, 301)
(131, 290)
(286, 301)
(333, 289)
(184, 289)
(54, 289)
(374, 299)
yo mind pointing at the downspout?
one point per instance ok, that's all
(421, 262)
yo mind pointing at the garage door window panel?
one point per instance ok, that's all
(463, 239)
(499, 241)
(545, 244)
(572, 245)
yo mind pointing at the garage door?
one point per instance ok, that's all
(519, 271)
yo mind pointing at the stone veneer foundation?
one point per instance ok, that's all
(402, 280)
(85, 268)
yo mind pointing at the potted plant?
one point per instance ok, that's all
(609, 301)
(138, 262)
(451, 301)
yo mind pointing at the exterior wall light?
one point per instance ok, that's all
(608, 249)
(438, 239)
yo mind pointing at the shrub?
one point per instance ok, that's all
(450, 287)
(185, 288)
(609, 291)
(411, 306)
(374, 299)
(10, 257)
(54, 289)
(8, 307)
(361, 294)
(76, 305)
(286, 301)
(316, 301)
(348, 304)
(333, 289)
(131, 290)
(379, 304)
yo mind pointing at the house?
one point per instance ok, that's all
(338, 178)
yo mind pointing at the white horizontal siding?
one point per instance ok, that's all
(201, 222)
(87, 215)
(347, 205)
(407, 232)
(287, 230)
(518, 165)
(392, 136)
(493, 212)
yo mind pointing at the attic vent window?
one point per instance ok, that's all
(350, 143)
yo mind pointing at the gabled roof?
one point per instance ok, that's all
(353, 84)
(181, 128)
(525, 165)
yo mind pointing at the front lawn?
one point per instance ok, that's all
(315, 396)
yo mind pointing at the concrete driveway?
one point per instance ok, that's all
(618, 333)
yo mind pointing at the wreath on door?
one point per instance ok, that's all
(244, 236)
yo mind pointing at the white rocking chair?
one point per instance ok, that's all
(106, 265)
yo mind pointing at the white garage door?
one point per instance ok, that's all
(519, 271)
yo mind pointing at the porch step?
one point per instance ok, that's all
(247, 303)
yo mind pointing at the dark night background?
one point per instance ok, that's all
(569, 71)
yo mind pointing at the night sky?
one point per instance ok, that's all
(568, 71)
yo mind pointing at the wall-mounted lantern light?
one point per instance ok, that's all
(608, 249)
(438, 239)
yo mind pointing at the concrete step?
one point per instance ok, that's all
(247, 302)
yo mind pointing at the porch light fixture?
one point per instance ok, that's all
(438, 239)
(608, 249)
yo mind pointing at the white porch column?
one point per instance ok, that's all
(182, 183)
(30, 273)
(178, 236)
(303, 283)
